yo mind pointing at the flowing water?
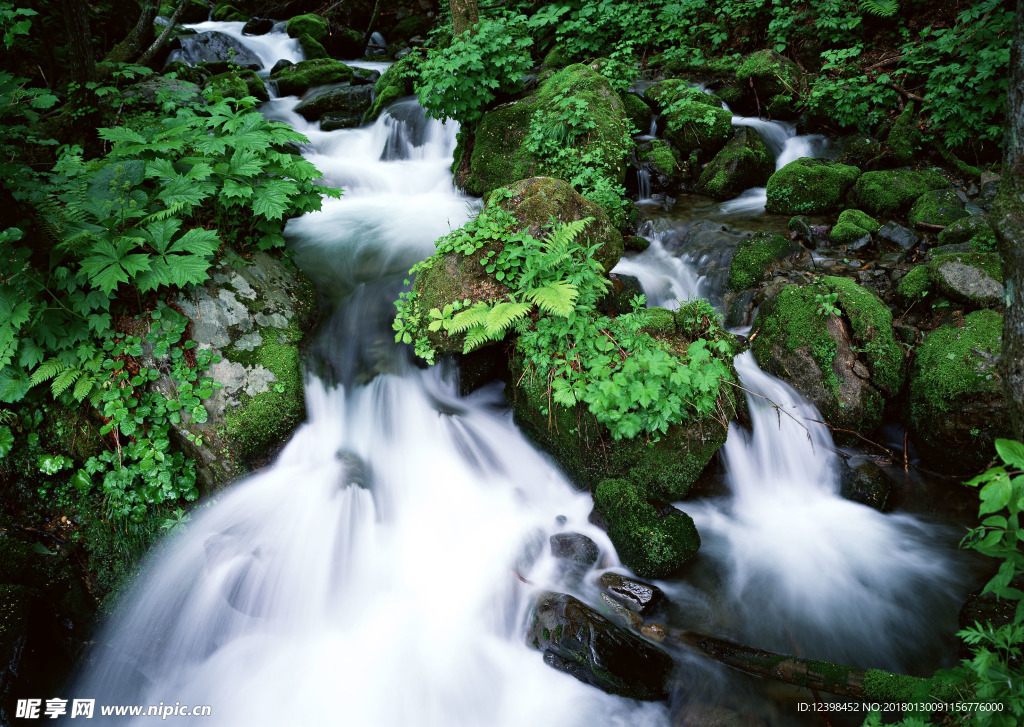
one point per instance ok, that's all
(366, 577)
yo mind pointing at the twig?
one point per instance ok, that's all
(859, 436)
(884, 62)
(930, 226)
(908, 94)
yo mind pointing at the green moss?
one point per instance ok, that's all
(989, 262)
(397, 81)
(752, 257)
(312, 25)
(772, 74)
(694, 120)
(652, 545)
(884, 686)
(915, 284)
(296, 79)
(745, 162)
(905, 138)
(661, 156)
(556, 58)
(861, 219)
(638, 112)
(891, 192)
(228, 85)
(975, 230)
(228, 14)
(809, 186)
(311, 47)
(937, 207)
(660, 322)
(851, 226)
(729, 94)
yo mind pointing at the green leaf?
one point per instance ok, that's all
(1011, 452)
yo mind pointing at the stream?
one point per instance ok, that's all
(366, 578)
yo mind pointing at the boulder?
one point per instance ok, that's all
(809, 186)
(957, 406)
(257, 26)
(847, 365)
(335, 121)
(752, 258)
(638, 112)
(576, 639)
(338, 98)
(312, 25)
(576, 554)
(297, 78)
(897, 237)
(915, 285)
(396, 82)
(214, 46)
(974, 279)
(659, 159)
(745, 162)
(904, 140)
(652, 538)
(974, 230)
(865, 482)
(692, 120)
(225, 13)
(311, 47)
(775, 79)
(937, 207)
(851, 227)
(238, 83)
(640, 597)
(892, 192)
(345, 43)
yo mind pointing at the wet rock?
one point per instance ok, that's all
(238, 83)
(865, 482)
(311, 48)
(364, 76)
(214, 46)
(659, 160)
(804, 232)
(989, 190)
(296, 79)
(957, 404)
(851, 228)
(776, 81)
(257, 26)
(576, 639)
(897, 236)
(937, 207)
(745, 162)
(621, 615)
(333, 122)
(654, 631)
(395, 83)
(636, 595)
(280, 65)
(345, 43)
(809, 186)
(684, 115)
(308, 24)
(753, 257)
(577, 554)
(974, 279)
(342, 99)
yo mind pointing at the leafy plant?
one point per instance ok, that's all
(827, 304)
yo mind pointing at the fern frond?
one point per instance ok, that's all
(64, 381)
(83, 387)
(881, 8)
(463, 321)
(48, 369)
(558, 298)
(503, 315)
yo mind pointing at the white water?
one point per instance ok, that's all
(270, 48)
(365, 578)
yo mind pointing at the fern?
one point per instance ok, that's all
(558, 298)
(881, 8)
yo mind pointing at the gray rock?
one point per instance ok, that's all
(283, 63)
(248, 342)
(214, 46)
(576, 548)
(865, 482)
(257, 26)
(342, 98)
(576, 639)
(333, 122)
(619, 613)
(636, 595)
(860, 243)
(968, 284)
(898, 236)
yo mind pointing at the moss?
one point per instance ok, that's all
(661, 156)
(228, 14)
(745, 162)
(296, 79)
(650, 543)
(638, 112)
(729, 94)
(884, 686)
(915, 285)
(659, 322)
(752, 257)
(809, 186)
(905, 138)
(891, 192)
(694, 120)
(311, 47)
(312, 25)
(937, 207)
(556, 58)
(772, 74)
(228, 85)
(397, 81)
(975, 230)
(851, 226)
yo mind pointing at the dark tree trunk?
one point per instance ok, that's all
(464, 15)
(1008, 221)
(373, 22)
(141, 36)
(80, 57)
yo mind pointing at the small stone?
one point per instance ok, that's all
(637, 595)
(969, 284)
(654, 631)
(575, 547)
(898, 235)
(619, 613)
(861, 371)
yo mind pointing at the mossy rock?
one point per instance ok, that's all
(915, 285)
(296, 79)
(660, 155)
(494, 154)
(693, 120)
(957, 406)
(809, 187)
(345, 43)
(588, 454)
(847, 365)
(775, 79)
(974, 279)
(752, 257)
(975, 230)
(228, 14)
(651, 539)
(904, 140)
(238, 83)
(937, 207)
(659, 321)
(892, 192)
(197, 11)
(556, 58)
(729, 94)
(745, 162)
(851, 226)
(312, 25)
(638, 112)
(396, 82)
(311, 47)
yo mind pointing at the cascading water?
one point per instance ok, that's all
(366, 578)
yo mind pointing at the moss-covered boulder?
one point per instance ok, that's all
(974, 279)
(904, 140)
(692, 120)
(397, 81)
(238, 83)
(809, 187)
(296, 79)
(311, 47)
(852, 226)
(957, 405)
(937, 207)
(752, 257)
(846, 364)
(345, 43)
(312, 25)
(892, 192)
(496, 154)
(975, 230)
(915, 285)
(638, 112)
(337, 99)
(225, 13)
(651, 538)
(255, 317)
(576, 639)
(196, 11)
(745, 162)
(659, 155)
(775, 79)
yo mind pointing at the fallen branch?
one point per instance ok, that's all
(930, 226)
(908, 94)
